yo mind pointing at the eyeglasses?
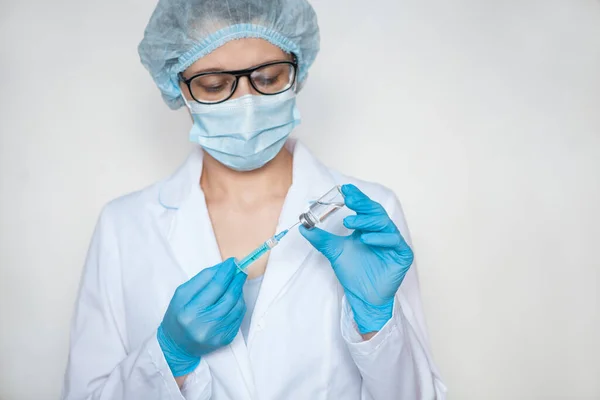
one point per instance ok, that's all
(267, 79)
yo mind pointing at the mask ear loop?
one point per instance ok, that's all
(187, 104)
(185, 100)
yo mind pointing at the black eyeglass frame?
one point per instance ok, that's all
(238, 74)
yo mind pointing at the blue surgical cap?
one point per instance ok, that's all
(182, 31)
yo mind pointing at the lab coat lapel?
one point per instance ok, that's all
(193, 242)
(190, 235)
(310, 181)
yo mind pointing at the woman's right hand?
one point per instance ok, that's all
(204, 314)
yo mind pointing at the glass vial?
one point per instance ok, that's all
(324, 207)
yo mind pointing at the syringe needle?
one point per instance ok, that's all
(293, 226)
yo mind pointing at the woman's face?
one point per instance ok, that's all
(236, 55)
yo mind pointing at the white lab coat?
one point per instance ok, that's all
(302, 343)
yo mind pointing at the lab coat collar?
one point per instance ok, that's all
(195, 247)
(308, 175)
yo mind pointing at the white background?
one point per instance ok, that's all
(483, 116)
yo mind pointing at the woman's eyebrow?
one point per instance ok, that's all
(220, 69)
(201, 71)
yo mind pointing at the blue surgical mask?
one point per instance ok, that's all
(247, 132)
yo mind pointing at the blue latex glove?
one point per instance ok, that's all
(204, 314)
(370, 263)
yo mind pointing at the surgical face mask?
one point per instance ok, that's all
(247, 132)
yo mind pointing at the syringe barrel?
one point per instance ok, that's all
(261, 250)
(323, 208)
(257, 253)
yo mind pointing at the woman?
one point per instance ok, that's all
(332, 314)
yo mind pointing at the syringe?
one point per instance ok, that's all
(317, 212)
(261, 250)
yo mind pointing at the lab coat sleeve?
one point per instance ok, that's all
(100, 365)
(396, 363)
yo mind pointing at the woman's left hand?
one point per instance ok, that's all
(370, 263)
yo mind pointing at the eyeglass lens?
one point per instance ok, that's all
(218, 86)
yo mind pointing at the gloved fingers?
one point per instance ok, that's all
(359, 202)
(189, 289)
(236, 314)
(231, 296)
(370, 223)
(404, 256)
(378, 239)
(326, 243)
(217, 326)
(231, 323)
(218, 285)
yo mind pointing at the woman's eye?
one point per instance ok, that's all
(265, 81)
(213, 89)
(212, 84)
